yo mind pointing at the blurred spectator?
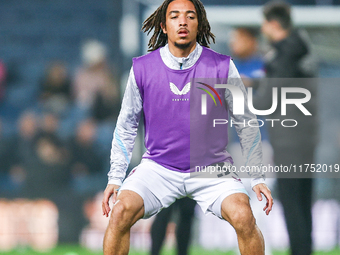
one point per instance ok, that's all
(45, 163)
(2, 80)
(47, 174)
(292, 145)
(40, 158)
(6, 159)
(106, 105)
(85, 161)
(96, 92)
(19, 151)
(94, 77)
(244, 50)
(22, 149)
(49, 123)
(56, 94)
(28, 126)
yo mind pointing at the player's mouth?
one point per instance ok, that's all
(183, 32)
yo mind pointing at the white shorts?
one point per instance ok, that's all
(160, 187)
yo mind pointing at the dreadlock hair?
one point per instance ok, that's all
(159, 39)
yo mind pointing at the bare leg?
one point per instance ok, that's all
(236, 210)
(128, 209)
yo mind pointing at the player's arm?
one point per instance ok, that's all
(123, 139)
(250, 138)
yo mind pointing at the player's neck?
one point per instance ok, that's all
(181, 52)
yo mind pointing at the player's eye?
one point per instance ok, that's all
(191, 17)
(173, 17)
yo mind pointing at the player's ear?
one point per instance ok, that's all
(163, 28)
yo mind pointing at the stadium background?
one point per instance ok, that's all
(36, 33)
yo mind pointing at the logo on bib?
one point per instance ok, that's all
(178, 92)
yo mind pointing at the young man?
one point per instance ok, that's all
(179, 53)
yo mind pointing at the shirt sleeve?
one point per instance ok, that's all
(250, 136)
(125, 132)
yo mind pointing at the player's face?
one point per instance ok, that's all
(181, 24)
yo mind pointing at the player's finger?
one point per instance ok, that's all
(105, 208)
(105, 204)
(270, 206)
(266, 207)
(267, 200)
(270, 201)
(258, 194)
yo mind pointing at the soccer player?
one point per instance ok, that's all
(158, 85)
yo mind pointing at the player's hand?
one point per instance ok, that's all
(111, 190)
(262, 188)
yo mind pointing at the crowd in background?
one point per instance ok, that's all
(61, 144)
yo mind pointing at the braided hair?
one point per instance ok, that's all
(159, 39)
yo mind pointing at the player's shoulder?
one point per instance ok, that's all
(148, 57)
(211, 53)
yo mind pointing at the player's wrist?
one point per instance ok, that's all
(256, 181)
(117, 182)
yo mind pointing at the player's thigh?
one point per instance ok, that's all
(158, 187)
(209, 193)
(236, 210)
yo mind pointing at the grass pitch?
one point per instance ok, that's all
(77, 250)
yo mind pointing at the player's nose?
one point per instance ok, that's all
(183, 21)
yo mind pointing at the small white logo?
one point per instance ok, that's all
(176, 91)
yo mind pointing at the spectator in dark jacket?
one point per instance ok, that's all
(288, 62)
(56, 94)
(86, 163)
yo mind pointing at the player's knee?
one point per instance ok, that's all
(243, 220)
(122, 214)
